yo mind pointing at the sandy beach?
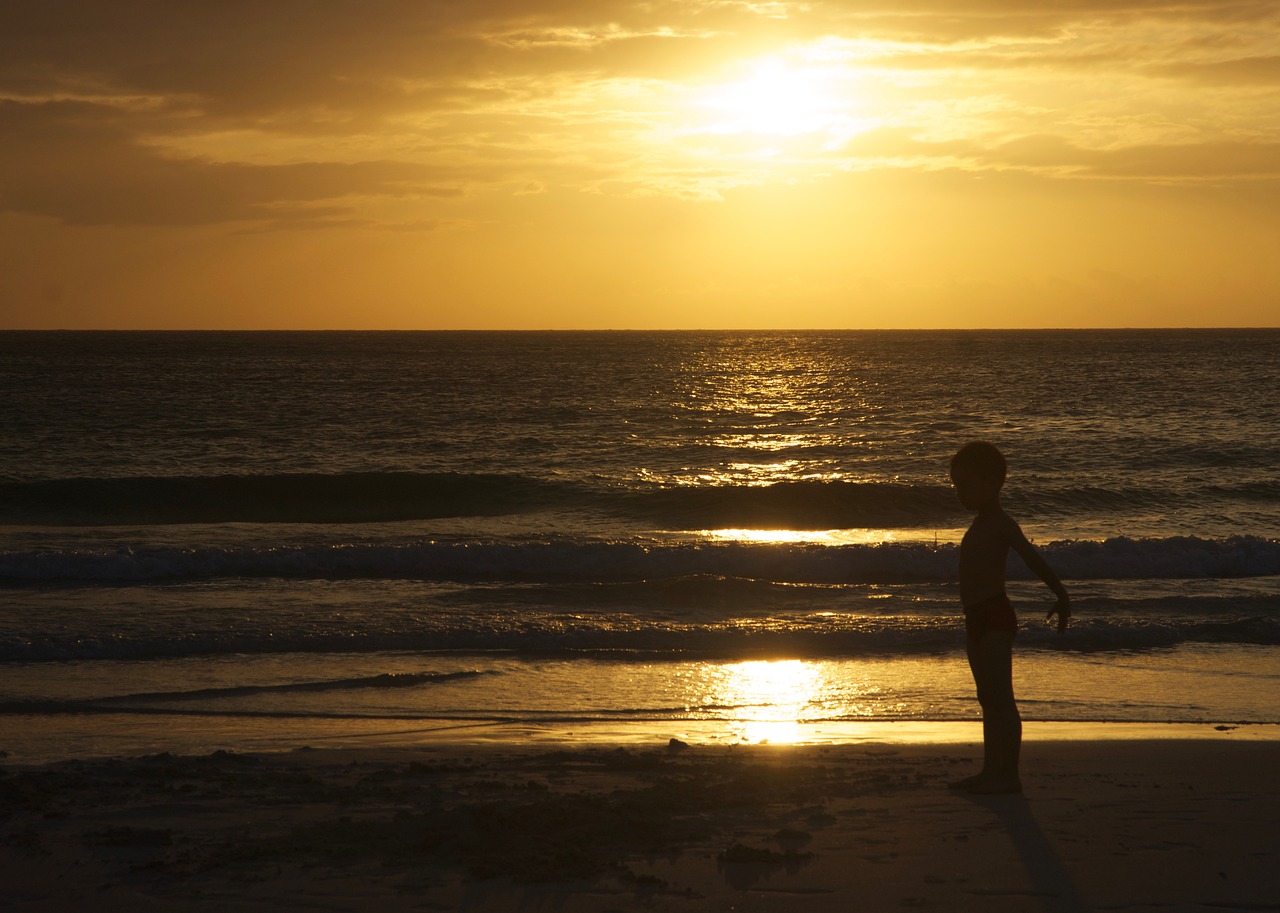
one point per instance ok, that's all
(1172, 823)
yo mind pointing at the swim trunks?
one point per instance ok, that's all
(994, 614)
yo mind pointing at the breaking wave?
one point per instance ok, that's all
(373, 497)
(577, 560)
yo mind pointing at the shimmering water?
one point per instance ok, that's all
(748, 527)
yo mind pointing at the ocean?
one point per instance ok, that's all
(220, 539)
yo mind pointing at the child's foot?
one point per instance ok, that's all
(968, 783)
(995, 786)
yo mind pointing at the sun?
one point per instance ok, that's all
(778, 97)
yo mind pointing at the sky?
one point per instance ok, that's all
(484, 164)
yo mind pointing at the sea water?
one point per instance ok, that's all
(345, 532)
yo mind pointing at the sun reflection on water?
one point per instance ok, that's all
(807, 536)
(771, 698)
(771, 416)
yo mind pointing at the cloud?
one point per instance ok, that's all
(292, 61)
(70, 162)
(1058, 155)
(308, 112)
(1179, 162)
(1245, 71)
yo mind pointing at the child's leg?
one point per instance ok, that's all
(991, 661)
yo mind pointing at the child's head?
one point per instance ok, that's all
(981, 459)
(978, 471)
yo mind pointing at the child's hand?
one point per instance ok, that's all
(1063, 610)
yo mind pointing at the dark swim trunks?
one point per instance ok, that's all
(994, 614)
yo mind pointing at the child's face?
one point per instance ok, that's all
(975, 490)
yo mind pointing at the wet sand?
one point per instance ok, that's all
(501, 824)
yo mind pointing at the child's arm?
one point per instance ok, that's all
(1038, 566)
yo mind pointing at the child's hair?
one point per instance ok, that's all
(981, 458)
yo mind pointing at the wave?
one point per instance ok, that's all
(285, 498)
(579, 560)
(112, 704)
(384, 681)
(402, 496)
(1074, 501)
(371, 497)
(630, 639)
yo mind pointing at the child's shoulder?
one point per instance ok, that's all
(1004, 516)
(996, 523)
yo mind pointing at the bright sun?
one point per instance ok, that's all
(779, 98)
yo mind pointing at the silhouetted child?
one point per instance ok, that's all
(978, 473)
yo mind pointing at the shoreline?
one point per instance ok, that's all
(54, 738)
(1171, 820)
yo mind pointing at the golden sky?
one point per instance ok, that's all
(593, 163)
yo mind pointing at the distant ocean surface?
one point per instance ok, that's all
(748, 527)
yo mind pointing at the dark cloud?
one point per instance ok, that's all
(357, 60)
(60, 160)
(96, 89)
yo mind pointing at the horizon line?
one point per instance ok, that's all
(938, 329)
